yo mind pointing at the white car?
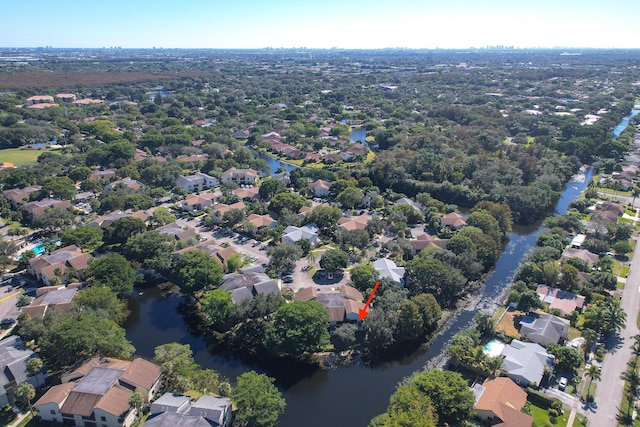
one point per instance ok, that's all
(562, 384)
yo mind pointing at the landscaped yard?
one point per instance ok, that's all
(509, 324)
(541, 417)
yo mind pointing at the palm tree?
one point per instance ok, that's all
(34, 366)
(614, 316)
(594, 374)
(633, 378)
(484, 324)
(23, 393)
(635, 348)
(590, 337)
(635, 193)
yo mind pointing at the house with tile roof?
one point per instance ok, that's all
(129, 183)
(343, 303)
(250, 193)
(13, 368)
(173, 410)
(102, 175)
(97, 392)
(499, 402)
(423, 241)
(563, 301)
(525, 362)
(544, 328)
(262, 221)
(353, 223)
(44, 267)
(582, 254)
(198, 202)
(320, 188)
(218, 253)
(40, 99)
(453, 220)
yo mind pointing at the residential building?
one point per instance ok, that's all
(262, 221)
(129, 183)
(97, 393)
(173, 410)
(353, 223)
(453, 220)
(177, 231)
(240, 176)
(86, 101)
(525, 362)
(196, 182)
(19, 196)
(40, 99)
(343, 303)
(44, 267)
(248, 285)
(66, 97)
(34, 209)
(250, 193)
(543, 328)
(105, 174)
(425, 240)
(499, 402)
(294, 234)
(409, 202)
(582, 254)
(563, 301)
(387, 268)
(106, 220)
(320, 188)
(56, 298)
(218, 253)
(13, 368)
(577, 241)
(197, 202)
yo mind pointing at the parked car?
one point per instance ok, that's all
(7, 321)
(287, 279)
(562, 384)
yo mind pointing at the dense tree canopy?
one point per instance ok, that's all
(258, 401)
(300, 327)
(112, 271)
(197, 270)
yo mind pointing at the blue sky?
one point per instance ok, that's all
(320, 24)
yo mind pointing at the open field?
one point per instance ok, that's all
(19, 157)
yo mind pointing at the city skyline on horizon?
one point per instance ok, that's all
(359, 24)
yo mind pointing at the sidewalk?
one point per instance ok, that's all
(18, 420)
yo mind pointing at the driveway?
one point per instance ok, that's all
(609, 390)
(302, 277)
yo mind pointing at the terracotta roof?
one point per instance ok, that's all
(453, 219)
(306, 294)
(261, 220)
(352, 306)
(319, 183)
(336, 314)
(351, 293)
(222, 208)
(247, 193)
(354, 223)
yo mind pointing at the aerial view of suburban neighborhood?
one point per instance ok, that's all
(306, 237)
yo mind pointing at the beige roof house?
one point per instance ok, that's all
(105, 174)
(39, 207)
(250, 193)
(129, 183)
(453, 220)
(423, 241)
(320, 187)
(40, 99)
(261, 221)
(354, 223)
(239, 176)
(19, 196)
(582, 254)
(343, 303)
(500, 402)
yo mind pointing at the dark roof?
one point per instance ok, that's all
(173, 419)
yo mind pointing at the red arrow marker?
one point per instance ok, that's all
(363, 311)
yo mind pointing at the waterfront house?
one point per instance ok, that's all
(544, 329)
(174, 410)
(247, 285)
(453, 220)
(343, 303)
(44, 267)
(525, 362)
(563, 301)
(97, 393)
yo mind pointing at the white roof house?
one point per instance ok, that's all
(525, 362)
(294, 234)
(387, 268)
(197, 181)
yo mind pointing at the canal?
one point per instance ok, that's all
(347, 396)
(351, 395)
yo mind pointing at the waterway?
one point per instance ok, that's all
(625, 121)
(347, 396)
(351, 395)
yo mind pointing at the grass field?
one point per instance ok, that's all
(541, 417)
(19, 157)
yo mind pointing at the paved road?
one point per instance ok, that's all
(610, 388)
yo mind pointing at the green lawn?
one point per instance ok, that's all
(541, 417)
(18, 156)
(589, 391)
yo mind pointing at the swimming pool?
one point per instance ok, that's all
(493, 348)
(38, 249)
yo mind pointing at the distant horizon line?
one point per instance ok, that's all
(495, 47)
